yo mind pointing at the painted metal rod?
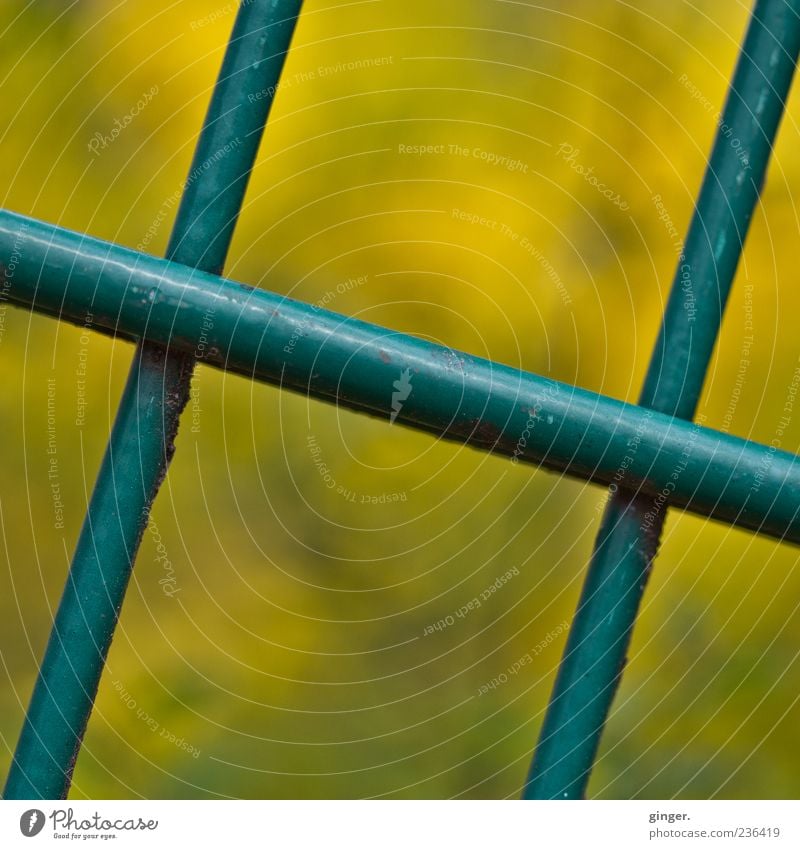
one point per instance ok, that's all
(630, 531)
(493, 407)
(142, 439)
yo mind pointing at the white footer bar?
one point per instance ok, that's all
(402, 825)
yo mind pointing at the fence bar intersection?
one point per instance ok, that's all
(629, 535)
(267, 337)
(157, 390)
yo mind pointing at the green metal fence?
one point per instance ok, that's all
(160, 304)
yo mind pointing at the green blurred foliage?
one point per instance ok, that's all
(291, 657)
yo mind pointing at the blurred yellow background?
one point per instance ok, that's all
(282, 638)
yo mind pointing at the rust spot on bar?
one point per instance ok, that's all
(477, 432)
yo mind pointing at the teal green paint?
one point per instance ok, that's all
(301, 347)
(141, 443)
(631, 527)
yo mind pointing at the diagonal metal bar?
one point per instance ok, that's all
(631, 527)
(141, 443)
(457, 396)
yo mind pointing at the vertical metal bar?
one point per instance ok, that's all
(631, 528)
(142, 438)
